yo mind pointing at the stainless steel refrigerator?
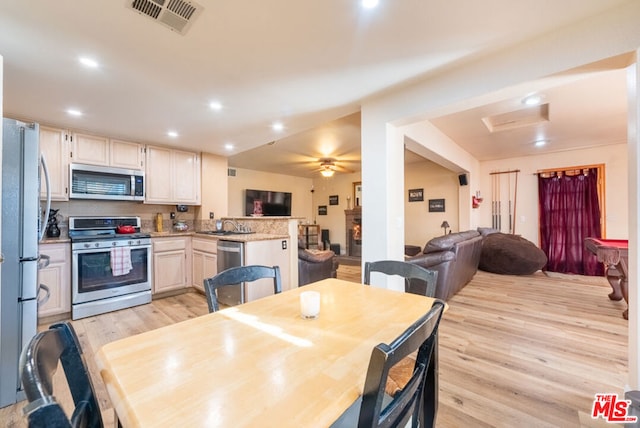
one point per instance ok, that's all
(21, 225)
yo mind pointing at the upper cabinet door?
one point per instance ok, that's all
(172, 176)
(158, 177)
(54, 145)
(186, 177)
(124, 154)
(89, 149)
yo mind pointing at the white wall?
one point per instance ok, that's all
(334, 221)
(437, 183)
(608, 34)
(214, 187)
(300, 189)
(526, 222)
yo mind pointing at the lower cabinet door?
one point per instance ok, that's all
(204, 266)
(170, 270)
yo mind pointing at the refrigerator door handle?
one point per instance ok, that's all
(43, 261)
(45, 170)
(45, 299)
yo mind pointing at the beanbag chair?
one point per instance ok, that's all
(508, 254)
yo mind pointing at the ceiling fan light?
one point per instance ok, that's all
(327, 172)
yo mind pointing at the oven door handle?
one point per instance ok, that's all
(108, 249)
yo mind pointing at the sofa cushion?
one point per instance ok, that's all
(315, 256)
(411, 250)
(447, 242)
(484, 231)
(508, 254)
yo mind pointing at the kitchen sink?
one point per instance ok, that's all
(224, 232)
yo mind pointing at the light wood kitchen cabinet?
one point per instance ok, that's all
(54, 145)
(94, 150)
(125, 154)
(171, 263)
(172, 176)
(57, 277)
(204, 261)
(89, 149)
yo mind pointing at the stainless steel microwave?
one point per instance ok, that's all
(101, 182)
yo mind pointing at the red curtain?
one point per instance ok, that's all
(569, 212)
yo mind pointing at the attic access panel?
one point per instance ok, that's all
(517, 118)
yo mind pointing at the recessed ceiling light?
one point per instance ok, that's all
(88, 62)
(532, 100)
(228, 146)
(215, 105)
(540, 143)
(74, 112)
(369, 4)
(277, 126)
(172, 134)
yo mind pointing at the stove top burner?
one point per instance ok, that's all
(106, 236)
(91, 229)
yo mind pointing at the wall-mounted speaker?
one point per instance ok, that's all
(462, 178)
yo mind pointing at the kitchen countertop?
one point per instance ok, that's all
(59, 240)
(170, 233)
(243, 238)
(238, 238)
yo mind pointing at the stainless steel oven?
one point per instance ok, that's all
(109, 270)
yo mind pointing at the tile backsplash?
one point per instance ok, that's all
(146, 212)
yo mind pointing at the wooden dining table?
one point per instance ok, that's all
(257, 364)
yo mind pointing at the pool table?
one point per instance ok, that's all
(614, 253)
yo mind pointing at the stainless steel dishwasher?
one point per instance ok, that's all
(230, 254)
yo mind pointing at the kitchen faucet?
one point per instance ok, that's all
(236, 226)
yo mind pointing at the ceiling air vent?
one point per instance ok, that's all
(177, 15)
(231, 172)
(517, 119)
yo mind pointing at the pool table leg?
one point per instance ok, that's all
(613, 276)
(624, 285)
(623, 269)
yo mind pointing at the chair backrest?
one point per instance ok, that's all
(237, 275)
(38, 363)
(409, 403)
(408, 271)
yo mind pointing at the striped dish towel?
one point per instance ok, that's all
(121, 261)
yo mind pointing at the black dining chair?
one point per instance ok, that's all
(38, 363)
(417, 401)
(237, 275)
(417, 280)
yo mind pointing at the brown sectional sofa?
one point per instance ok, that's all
(455, 257)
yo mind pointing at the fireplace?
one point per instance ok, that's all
(353, 228)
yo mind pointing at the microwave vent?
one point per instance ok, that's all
(177, 15)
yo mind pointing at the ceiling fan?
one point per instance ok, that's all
(328, 167)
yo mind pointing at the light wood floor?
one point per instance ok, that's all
(514, 351)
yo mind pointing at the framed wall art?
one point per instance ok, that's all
(357, 194)
(416, 195)
(436, 205)
(322, 210)
(333, 200)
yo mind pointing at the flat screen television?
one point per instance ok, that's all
(267, 203)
